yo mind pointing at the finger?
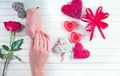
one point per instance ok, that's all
(41, 40)
(48, 44)
(47, 36)
(36, 40)
(45, 45)
(44, 41)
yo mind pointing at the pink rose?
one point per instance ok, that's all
(12, 26)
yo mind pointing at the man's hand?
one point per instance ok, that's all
(33, 22)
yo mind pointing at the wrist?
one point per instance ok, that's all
(37, 71)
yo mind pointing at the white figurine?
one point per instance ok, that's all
(63, 46)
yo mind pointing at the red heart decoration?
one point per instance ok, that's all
(75, 37)
(69, 25)
(74, 9)
(80, 52)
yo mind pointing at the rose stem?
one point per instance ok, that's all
(11, 33)
(5, 65)
(7, 60)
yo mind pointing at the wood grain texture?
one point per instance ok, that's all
(105, 54)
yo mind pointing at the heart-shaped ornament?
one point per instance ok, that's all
(75, 37)
(70, 25)
(73, 9)
(80, 52)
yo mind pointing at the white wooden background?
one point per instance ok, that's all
(105, 54)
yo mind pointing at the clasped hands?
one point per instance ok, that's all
(40, 42)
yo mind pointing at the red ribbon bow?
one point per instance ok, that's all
(95, 20)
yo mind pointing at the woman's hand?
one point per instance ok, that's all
(33, 22)
(39, 53)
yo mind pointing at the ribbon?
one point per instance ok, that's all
(95, 21)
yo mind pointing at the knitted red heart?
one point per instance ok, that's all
(69, 25)
(80, 52)
(74, 9)
(75, 37)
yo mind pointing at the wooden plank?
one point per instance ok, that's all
(105, 54)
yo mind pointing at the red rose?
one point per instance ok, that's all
(12, 26)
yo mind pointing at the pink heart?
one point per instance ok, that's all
(74, 9)
(69, 25)
(75, 37)
(80, 52)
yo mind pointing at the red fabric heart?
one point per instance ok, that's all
(75, 37)
(74, 9)
(80, 52)
(69, 25)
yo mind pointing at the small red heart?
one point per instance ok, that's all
(75, 37)
(74, 9)
(80, 52)
(69, 25)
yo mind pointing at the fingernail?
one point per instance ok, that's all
(47, 36)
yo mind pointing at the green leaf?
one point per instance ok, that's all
(16, 45)
(1, 55)
(7, 56)
(5, 47)
(18, 58)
